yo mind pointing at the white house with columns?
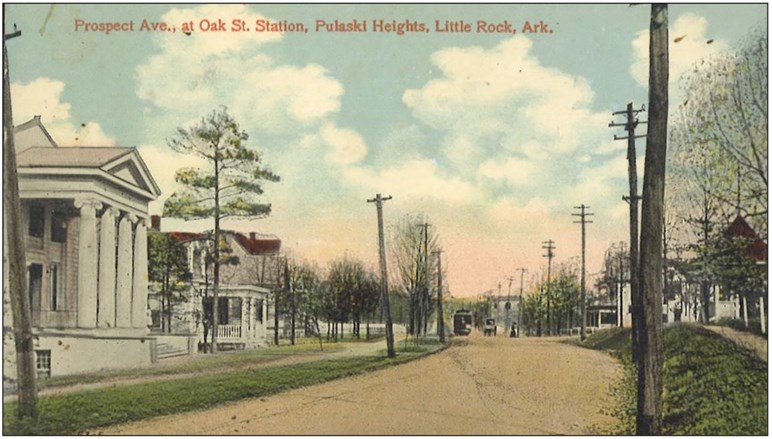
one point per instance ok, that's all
(85, 215)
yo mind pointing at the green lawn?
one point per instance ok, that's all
(711, 385)
(209, 363)
(80, 411)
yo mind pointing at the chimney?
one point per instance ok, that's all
(251, 236)
(155, 223)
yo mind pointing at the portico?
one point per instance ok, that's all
(85, 213)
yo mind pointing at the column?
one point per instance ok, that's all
(125, 272)
(87, 263)
(244, 317)
(139, 292)
(106, 312)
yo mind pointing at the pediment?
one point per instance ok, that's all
(131, 169)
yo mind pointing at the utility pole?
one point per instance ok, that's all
(650, 358)
(520, 305)
(621, 286)
(583, 221)
(385, 311)
(549, 246)
(17, 285)
(632, 175)
(440, 315)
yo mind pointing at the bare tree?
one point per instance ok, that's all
(414, 270)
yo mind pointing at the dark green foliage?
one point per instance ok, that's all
(233, 174)
(712, 386)
(168, 270)
(78, 412)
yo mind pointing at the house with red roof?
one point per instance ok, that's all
(245, 291)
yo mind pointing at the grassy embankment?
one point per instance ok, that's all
(80, 411)
(711, 385)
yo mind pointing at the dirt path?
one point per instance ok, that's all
(752, 342)
(481, 385)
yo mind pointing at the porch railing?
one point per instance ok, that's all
(228, 332)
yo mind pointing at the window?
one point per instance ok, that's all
(36, 221)
(58, 227)
(55, 286)
(259, 310)
(155, 317)
(222, 311)
(35, 276)
(43, 363)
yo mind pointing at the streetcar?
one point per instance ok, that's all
(462, 322)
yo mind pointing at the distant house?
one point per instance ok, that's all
(85, 214)
(244, 321)
(687, 303)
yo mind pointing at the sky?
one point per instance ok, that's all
(496, 137)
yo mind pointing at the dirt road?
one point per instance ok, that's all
(480, 385)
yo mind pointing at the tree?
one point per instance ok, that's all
(410, 248)
(229, 185)
(354, 292)
(722, 125)
(614, 274)
(168, 267)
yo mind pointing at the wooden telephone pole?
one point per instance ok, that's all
(549, 246)
(650, 356)
(385, 311)
(440, 316)
(17, 285)
(520, 304)
(632, 175)
(583, 220)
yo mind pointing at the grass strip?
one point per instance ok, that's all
(711, 385)
(79, 412)
(204, 363)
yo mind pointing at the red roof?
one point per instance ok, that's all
(254, 244)
(258, 245)
(757, 249)
(187, 236)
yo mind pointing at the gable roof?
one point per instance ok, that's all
(118, 164)
(69, 157)
(253, 244)
(756, 249)
(258, 245)
(34, 123)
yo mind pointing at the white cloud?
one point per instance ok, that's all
(414, 181)
(43, 97)
(345, 146)
(503, 97)
(515, 171)
(193, 74)
(157, 160)
(692, 32)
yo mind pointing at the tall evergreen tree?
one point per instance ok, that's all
(229, 185)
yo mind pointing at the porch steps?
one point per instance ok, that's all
(166, 350)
